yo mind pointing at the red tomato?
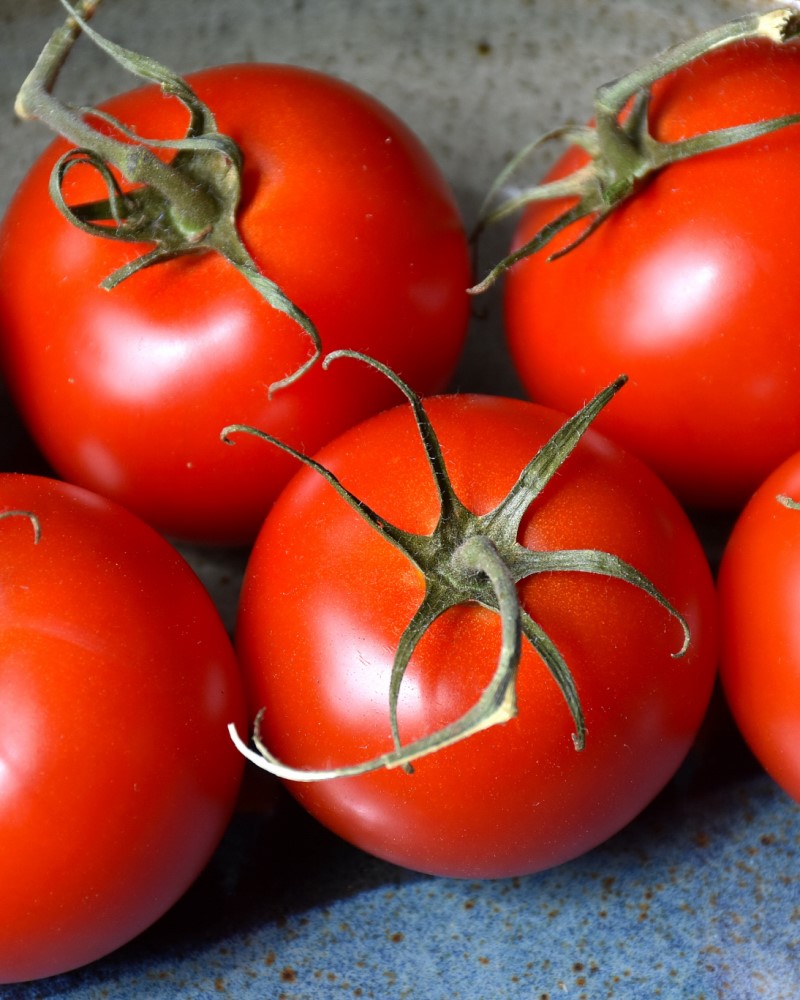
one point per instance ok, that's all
(126, 391)
(759, 618)
(326, 598)
(117, 683)
(683, 287)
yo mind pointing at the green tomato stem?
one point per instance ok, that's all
(137, 163)
(183, 205)
(622, 151)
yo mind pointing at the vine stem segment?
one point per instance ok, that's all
(469, 558)
(622, 152)
(185, 204)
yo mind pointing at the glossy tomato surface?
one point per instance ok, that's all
(759, 593)
(117, 683)
(126, 391)
(683, 288)
(325, 600)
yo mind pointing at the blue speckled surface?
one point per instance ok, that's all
(697, 898)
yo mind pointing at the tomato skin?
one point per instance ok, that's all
(126, 391)
(682, 288)
(759, 583)
(117, 682)
(325, 600)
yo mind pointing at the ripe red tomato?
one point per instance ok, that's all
(759, 614)
(126, 391)
(117, 683)
(682, 288)
(326, 599)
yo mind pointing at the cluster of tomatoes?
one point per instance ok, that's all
(119, 681)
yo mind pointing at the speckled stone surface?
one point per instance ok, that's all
(699, 898)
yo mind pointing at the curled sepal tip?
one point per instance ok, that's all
(496, 705)
(34, 520)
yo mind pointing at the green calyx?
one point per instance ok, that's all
(470, 558)
(186, 204)
(623, 153)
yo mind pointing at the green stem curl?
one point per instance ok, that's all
(37, 528)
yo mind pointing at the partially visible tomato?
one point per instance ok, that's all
(126, 391)
(759, 595)
(326, 599)
(684, 288)
(117, 683)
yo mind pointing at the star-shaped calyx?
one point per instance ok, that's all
(621, 149)
(470, 558)
(185, 204)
